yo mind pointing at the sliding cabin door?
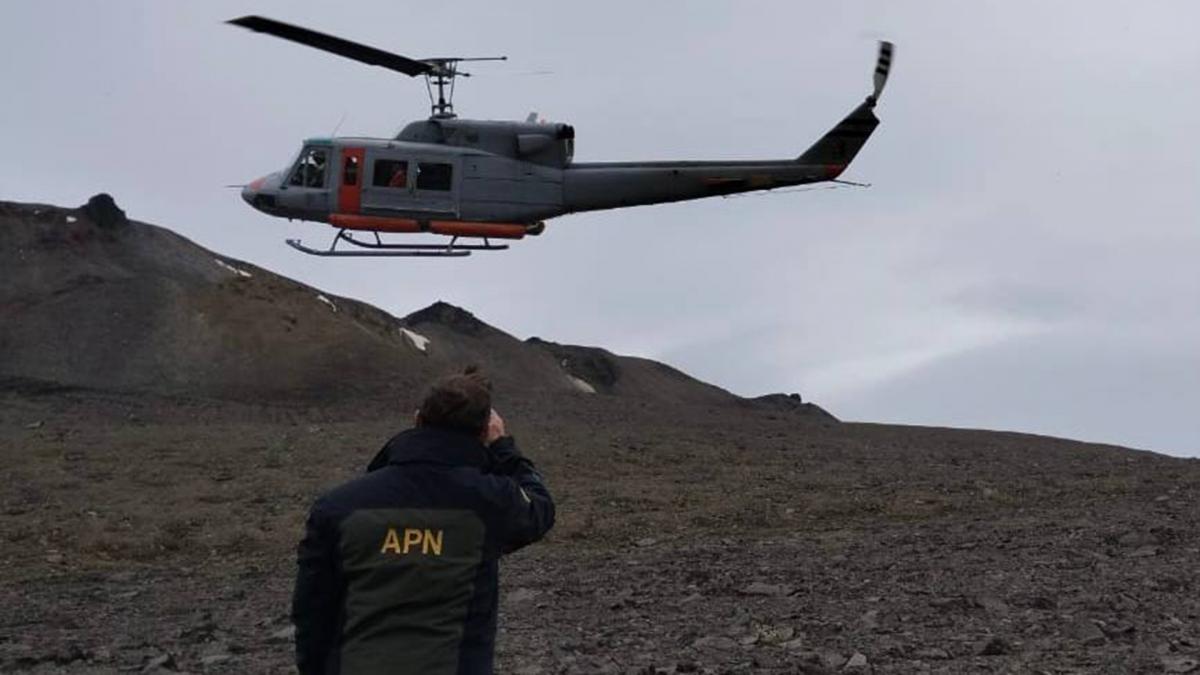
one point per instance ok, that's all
(411, 186)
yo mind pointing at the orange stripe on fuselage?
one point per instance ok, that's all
(452, 228)
(465, 229)
(374, 223)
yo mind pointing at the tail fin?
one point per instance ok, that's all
(838, 147)
(842, 143)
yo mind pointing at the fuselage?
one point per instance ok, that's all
(451, 171)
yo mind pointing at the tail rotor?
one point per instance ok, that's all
(882, 67)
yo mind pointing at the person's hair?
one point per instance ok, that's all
(462, 402)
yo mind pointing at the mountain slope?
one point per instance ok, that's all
(94, 300)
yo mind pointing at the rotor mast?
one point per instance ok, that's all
(441, 75)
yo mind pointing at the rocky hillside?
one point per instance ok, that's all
(94, 300)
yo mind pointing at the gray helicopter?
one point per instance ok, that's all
(496, 180)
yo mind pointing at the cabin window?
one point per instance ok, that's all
(434, 176)
(310, 169)
(391, 173)
(350, 171)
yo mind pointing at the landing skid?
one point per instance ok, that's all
(332, 253)
(379, 249)
(378, 244)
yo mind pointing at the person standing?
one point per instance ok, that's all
(398, 569)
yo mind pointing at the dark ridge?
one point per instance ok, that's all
(791, 403)
(102, 210)
(595, 366)
(450, 316)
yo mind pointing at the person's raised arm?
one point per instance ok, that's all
(526, 510)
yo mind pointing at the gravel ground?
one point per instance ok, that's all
(144, 534)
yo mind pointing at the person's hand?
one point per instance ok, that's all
(502, 451)
(495, 428)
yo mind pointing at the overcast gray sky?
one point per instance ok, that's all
(1026, 258)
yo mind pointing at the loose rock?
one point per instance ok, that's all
(993, 646)
(832, 659)
(715, 642)
(761, 588)
(992, 604)
(1180, 664)
(870, 619)
(161, 662)
(774, 635)
(793, 644)
(857, 662)
(215, 659)
(520, 595)
(1088, 633)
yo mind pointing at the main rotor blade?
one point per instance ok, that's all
(336, 45)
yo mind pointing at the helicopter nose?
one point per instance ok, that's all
(252, 190)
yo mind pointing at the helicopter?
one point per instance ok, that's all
(483, 180)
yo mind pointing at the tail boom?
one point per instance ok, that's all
(604, 185)
(607, 185)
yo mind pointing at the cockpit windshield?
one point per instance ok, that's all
(309, 170)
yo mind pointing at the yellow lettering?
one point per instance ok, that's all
(411, 538)
(432, 542)
(429, 540)
(391, 542)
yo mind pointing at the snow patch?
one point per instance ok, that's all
(70, 219)
(581, 384)
(327, 301)
(231, 268)
(419, 341)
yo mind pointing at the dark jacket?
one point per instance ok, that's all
(398, 569)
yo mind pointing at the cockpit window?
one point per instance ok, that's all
(310, 169)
